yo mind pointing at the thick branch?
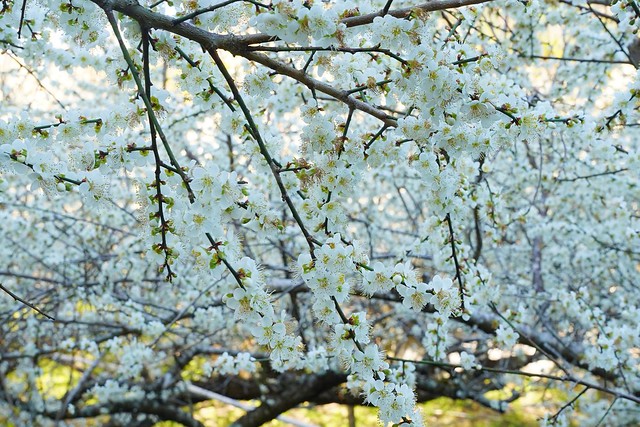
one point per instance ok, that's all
(306, 389)
(311, 83)
(355, 21)
(237, 45)
(149, 19)
(431, 6)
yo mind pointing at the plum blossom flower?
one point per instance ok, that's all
(369, 360)
(415, 296)
(445, 297)
(468, 361)
(378, 279)
(506, 336)
(239, 301)
(268, 332)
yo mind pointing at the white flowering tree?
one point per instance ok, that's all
(360, 202)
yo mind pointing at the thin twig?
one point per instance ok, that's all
(253, 128)
(22, 12)
(617, 171)
(147, 103)
(27, 303)
(567, 379)
(455, 260)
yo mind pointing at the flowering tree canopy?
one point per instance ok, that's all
(361, 202)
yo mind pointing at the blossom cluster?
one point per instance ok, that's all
(285, 191)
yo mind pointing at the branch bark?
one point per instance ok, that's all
(238, 45)
(298, 392)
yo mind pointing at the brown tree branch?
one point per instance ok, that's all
(238, 45)
(27, 303)
(355, 21)
(306, 389)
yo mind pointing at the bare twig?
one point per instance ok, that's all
(27, 303)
